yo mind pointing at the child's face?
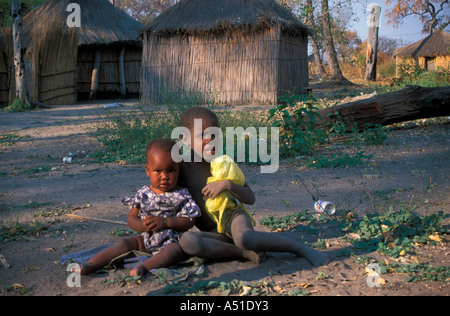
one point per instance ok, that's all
(162, 171)
(201, 142)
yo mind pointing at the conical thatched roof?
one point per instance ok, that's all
(217, 16)
(437, 44)
(101, 22)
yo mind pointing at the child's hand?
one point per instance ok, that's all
(154, 223)
(212, 190)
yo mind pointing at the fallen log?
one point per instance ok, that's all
(410, 103)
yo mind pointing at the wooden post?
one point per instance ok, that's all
(95, 74)
(19, 63)
(372, 41)
(123, 88)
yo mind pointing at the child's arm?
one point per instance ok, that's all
(242, 193)
(157, 223)
(181, 224)
(134, 222)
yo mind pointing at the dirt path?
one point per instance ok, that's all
(411, 167)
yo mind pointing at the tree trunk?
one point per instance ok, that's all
(314, 44)
(19, 64)
(410, 103)
(335, 70)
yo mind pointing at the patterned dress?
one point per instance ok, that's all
(169, 204)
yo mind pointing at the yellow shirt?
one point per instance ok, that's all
(222, 207)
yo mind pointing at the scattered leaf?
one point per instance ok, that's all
(354, 236)
(246, 290)
(277, 288)
(435, 238)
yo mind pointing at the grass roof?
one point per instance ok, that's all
(437, 44)
(218, 16)
(101, 22)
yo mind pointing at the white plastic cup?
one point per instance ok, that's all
(325, 206)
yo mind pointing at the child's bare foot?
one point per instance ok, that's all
(315, 257)
(256, 257)
(87, 268)
(140, 270)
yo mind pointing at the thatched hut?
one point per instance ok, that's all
(429, 53)
(101, 58)
(242, 51)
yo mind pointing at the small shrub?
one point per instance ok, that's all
(374, 135)
(296, 116)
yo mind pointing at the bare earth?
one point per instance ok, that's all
(412, 166)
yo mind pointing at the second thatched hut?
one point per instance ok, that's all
(242, 51)
(430, 53)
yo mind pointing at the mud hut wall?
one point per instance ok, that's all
(443, 62)
(234, 67)
(109, 81)
(440, 61)
(293, 64)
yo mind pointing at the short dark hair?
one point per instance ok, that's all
(188, 117)
(165, 144)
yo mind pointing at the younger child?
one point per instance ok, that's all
(160, 211)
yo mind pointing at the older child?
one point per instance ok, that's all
(160, 211)
(239, 240)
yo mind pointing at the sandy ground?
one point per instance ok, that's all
(412, 166)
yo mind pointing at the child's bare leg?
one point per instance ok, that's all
(170, 255)
(246, 237)
(214, 246)
(105, 256)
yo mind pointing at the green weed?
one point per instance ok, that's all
(413, 74)
(394, 233)
(336, 161)
(391, 233)
(22, 232)
(287, 222)
(374, 135)
(123, 280)
(52, 211)
(35, 171)
(19, 106)
(296, 116)
(418, 271)
(9, 139)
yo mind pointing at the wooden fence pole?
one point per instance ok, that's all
(95, 75)
(372, 42)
